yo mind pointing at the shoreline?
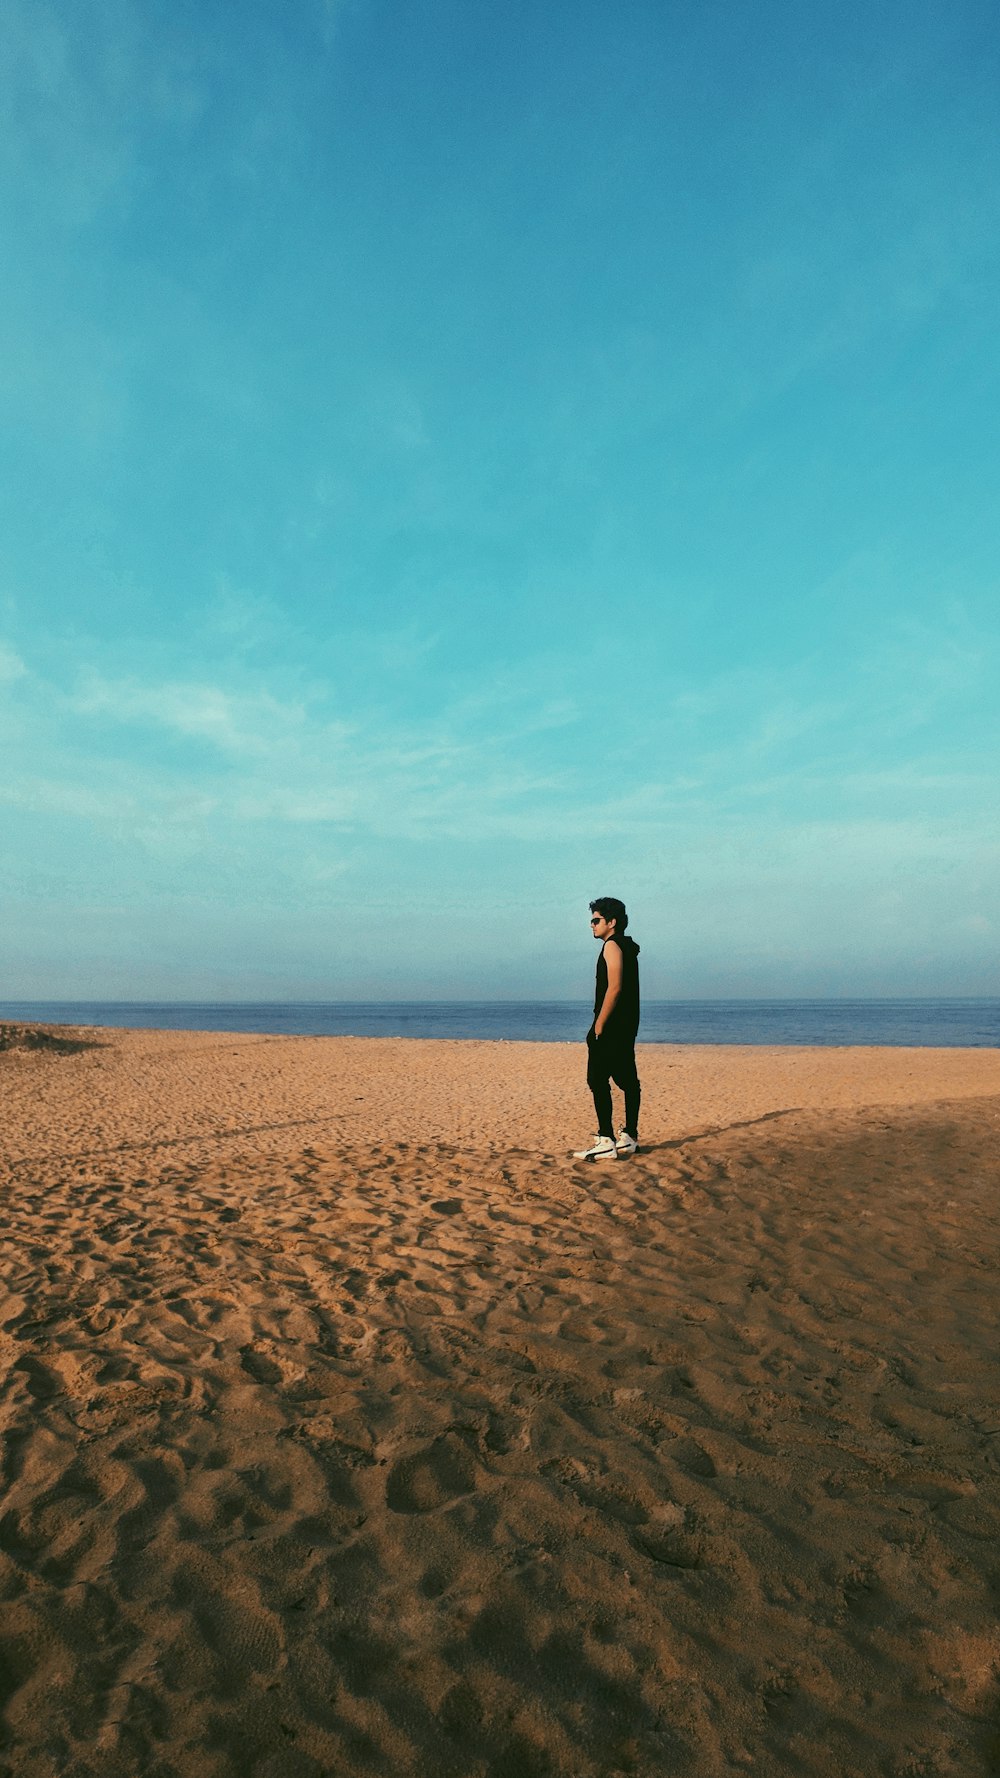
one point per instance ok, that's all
(656, 1043)
(846, 1023)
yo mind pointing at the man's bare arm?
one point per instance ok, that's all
(613, 959)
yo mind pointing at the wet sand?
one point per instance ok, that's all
(351, 1427)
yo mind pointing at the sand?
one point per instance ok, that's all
(349, 1426)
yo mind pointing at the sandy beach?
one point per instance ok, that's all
(351, 1427)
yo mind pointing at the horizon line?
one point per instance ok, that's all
(583, 1000)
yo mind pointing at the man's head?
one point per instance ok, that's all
(608, 918)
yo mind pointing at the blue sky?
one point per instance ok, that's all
(462, 459)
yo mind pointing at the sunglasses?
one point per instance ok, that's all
(595, 922)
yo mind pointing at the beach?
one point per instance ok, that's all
(351, 1426)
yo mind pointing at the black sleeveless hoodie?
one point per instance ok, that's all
(624, 1021)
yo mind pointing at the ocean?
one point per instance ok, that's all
(971, 1023)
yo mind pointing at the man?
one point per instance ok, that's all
(611, 1038)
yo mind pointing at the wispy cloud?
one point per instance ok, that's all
(252, 797)
(507, 757)
(242, 724)
(11, 665)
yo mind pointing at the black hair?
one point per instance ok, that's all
(610, 908)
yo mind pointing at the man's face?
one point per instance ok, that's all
(600, 927)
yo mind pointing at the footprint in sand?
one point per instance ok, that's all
(430, 1478)
(671, 1546)
(41, 1381)
(258, 1366)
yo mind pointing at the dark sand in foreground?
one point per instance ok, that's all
(351, 1427)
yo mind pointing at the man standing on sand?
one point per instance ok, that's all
(611, 1038)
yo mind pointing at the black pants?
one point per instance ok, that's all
(613, 1059)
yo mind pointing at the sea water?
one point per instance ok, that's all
(968, 1023)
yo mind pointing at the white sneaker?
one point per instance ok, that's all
(601, 1149)
(626, 1144)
